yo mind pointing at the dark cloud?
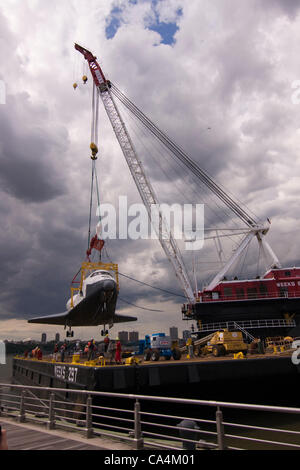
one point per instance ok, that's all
(288, 7)
(27, 170)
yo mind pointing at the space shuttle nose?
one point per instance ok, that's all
(108, 285)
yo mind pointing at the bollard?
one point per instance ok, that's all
(138, 440)
(22, 407)
(188, 433)
(89, 418)
(220, 429)
(51, 421)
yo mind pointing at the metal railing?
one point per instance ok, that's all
(246, 333)
(250, 324)
(153, 422)
(207, 298)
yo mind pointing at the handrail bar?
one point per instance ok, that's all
(196, 431)
(115, 418)
(112, 409)
(260, 428)
(232, 436)
(184, 401)
(209, 421)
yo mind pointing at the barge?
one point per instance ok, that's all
(257, 378)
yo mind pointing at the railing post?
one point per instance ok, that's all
(22, 407)
(89, 418)
(138, 440)
(220, 429)
(51, 421)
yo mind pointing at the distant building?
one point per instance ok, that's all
(27, 340)
(186, 334)
(44, 338)
(133, 336)
(173, 332)
(57, 338)
(123, 336)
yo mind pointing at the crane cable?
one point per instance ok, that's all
(94, 149)
(178, 174)
(138, 306)
(91, 204)
(184, 158)
(144, 283)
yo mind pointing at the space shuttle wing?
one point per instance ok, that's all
(56, 319)
(90, 311)
(76, 316)
(123, 318)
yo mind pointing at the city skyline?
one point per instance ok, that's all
(127, 336)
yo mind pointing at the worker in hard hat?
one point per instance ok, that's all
(118, 355)
(190, 348)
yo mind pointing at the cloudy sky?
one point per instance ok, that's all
(218, 76)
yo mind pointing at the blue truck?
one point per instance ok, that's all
(158, 345)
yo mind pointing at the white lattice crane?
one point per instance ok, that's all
(252, 227)
(136, 168)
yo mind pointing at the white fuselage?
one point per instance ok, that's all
(93, 278)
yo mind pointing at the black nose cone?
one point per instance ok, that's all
(108, 285)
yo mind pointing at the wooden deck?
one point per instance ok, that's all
(34, 437)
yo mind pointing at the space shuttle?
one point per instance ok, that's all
(93, 305)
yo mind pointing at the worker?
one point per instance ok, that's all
(260, 347)
(62, 352)
(39, 354)
(92, 348)
(110, 352)
(190, 348)
(34, 352)
(55, 352)
(84, 79)
(75, 86)
(118, 356)
(3, 440)
(106, 342)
